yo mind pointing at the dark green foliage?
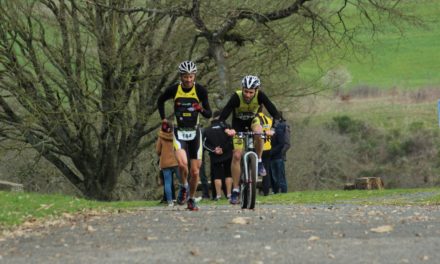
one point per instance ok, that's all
(355, 128)
(345, 124)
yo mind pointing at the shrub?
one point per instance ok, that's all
(346, 125)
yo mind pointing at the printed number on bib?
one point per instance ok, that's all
(186, 135)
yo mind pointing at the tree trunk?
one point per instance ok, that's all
(218, 53)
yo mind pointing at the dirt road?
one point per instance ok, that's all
(226, 234)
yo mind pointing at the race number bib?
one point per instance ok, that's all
(186, 135)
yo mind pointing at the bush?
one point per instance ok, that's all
(319, 159)
(327, 156)
(346, 125)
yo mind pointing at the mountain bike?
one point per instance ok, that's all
(249, 170)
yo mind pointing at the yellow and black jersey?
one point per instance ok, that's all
(266, 124)
(243, 113)
(184, 98)
(246, 111)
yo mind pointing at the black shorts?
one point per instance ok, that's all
(240, 126)
(221, 170)
(193, 146)
(243, 126)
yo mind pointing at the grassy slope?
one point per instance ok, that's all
(383, 112)
(410, 61)
(407, 60)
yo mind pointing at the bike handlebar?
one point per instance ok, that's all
(242, 134)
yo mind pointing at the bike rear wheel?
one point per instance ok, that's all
(249, 184)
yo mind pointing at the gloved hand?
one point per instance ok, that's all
(230, 132)
(165, 125)
(270, 132)
(197, 107)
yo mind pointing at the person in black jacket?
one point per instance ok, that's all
(219, 145)
(280, 145)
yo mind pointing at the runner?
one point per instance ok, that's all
(190, 100)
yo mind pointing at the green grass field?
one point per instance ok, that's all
(403, 60)
(383, 112)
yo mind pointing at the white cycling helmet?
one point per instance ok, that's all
(250, 82)
(187, 67)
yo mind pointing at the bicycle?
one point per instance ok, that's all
(249, 170)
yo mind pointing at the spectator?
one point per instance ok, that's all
(280, 145)
(203, 176)
(160, 183)
(266, 123)
(219, 146)
(168, 161)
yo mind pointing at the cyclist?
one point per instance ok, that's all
(244, 105)
(190, 99)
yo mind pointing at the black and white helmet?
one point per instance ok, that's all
(187, 67)
(250, 82)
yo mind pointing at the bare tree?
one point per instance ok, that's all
(79, 78)
(79, 82)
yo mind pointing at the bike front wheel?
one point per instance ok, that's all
(249, 183)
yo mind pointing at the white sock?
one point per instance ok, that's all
(259, 160)
(236, 190)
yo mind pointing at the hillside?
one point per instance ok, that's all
(404, 59)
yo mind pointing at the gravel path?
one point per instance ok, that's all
(226, 234)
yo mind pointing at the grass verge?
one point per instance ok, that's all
(429, 196)
(16, 208)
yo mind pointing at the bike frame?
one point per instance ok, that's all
(249, 163)
(247, 157)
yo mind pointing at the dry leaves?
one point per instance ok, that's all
(44, 206)
(195, 252)
(91, 228)
(241, 220)
(314, 238)
(382, 229)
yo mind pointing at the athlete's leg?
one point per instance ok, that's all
(182, 161)
(194, 179)
(235, 171)
(228, 183)
(195, 151)
(258, 140)
(259, 145)
(235, 167)
(228, 177)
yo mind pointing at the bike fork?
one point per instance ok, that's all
(249, 156)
